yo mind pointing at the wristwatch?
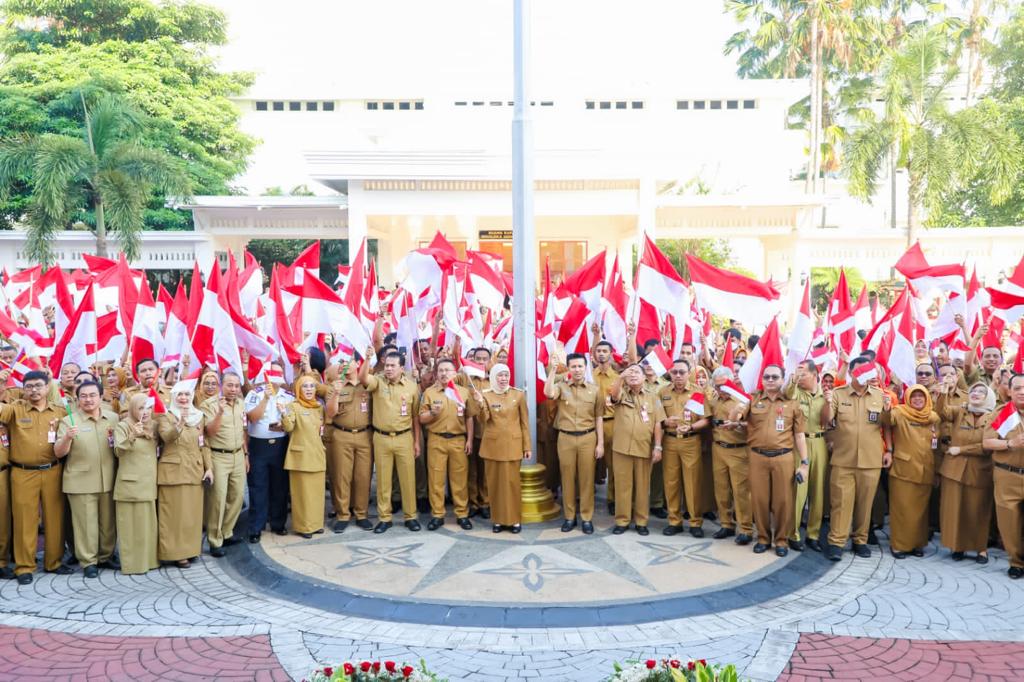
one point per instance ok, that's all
(804, 462)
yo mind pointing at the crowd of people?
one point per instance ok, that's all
(132, 468)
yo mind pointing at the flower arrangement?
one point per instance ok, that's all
(673, 670)
(374, 671)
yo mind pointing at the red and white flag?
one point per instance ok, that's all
(574, 332)
(801, 336)
(696, 403)
(840, 320)
(926, 278)
(615, 304)
(324, 312)
(1007, 420)
(1007, 306)
(737, 393)
(657, 281)
(902, 362)
(22, 365)
(80, 336)
(451, 391)
(147, 341)
(588, 282)
(189, 382)
(767, 352)
(487, 282)
(732, 295)
(305, 266)
(473, 369)
(658, 360)
(865, 372)
(153, 401)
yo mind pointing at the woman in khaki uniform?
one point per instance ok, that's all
(306, 459)
(183, 466)
(115, 380)
(966, 501)
(135, 487)
(209, 387)
(915, 435)
(505, 443)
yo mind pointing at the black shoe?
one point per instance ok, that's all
(364, 524)
(496, 528)
(332, 514)
(696, 531)
(611, 508)
(813, 545)
(917, 551)
(796, 545)
(981, 559)
(723, 533)
(686, 516)
(672, 530)
(659, 512)
(898, 555)
(485, 512)
(423, 505)
(642, 530)
(588, 528)
(1015, 573)
(711, 516)
(957, 556)
(233, 540)
(72, 560)
(91, 572)
(435, 523)
(743, 539)
(6, 573)
(619, 530)
(382, 527)
(340, 526)
(760, 548)
(473, 511)
(111, 564)
(218, 552)
(516, 528)
(254, 538)
(872, 537)
(833, 553)
(26, 578)
(781, 551)
(413, 525)
(308, 536)
(568, 525)
(279, 531)
(62, 570)
(465, 523)
(862, 551)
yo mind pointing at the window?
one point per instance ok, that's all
(388, 106)
(460, 104)
(547, 104)
(405, 106)
(327, 106)
(495, 104)
(312, 106)
(716, 104)
(621, 104)
(502, 249)
(636, 105)
(606, 105)
(511, 104)
(732, 104)
(590, 104)
(261, 106)
(683, 104)
(699, 104)
(294, 106)
(749, 104)
(278, 106)
(372, 106)
(563, 257)
(419, 106)
(478, 104)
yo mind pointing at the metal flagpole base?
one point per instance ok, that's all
(538, 504)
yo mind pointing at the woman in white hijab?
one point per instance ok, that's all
(505, 443)
(184, 465)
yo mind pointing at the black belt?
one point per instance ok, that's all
(4, 468)
(225, 452)
(730, 446)
(34, 467)
(688, 434)
(772, 453)
(819, 434)
(946, 440)
(449, 436)
(576, 433)
(347, 430)
(717, 422)
(390, 433)
(1016, 470)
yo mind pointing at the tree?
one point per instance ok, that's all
(105, 168)
(713, 251)
(940, 151)
(824, 282)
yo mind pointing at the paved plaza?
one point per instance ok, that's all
(573, 605)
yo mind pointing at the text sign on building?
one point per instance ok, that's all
(496, 235)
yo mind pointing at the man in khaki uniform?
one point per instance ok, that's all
(991, 361)
(1008, 478)
(775, 427)
(479, 503)
(226, 435)
(6, 563)
(656, 496)
(580, 426)
(148, 373)
(807, 392)
(396, 438)
(681, 462)
(350, 450)
(604, 376)
(731, 461)
(86, 439)
(857, 460)
(637, 444)
(35, 477)
(449, 425)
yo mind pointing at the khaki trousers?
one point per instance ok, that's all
(1009, 493)
(505, 485)
(632, 492)
(223, 499)
(656, 495)
(395, 454)
(707, 490)
(29, 491)
(609, 456)
(94, 520)
(683, 468)
(5, 518)
(577, 465)
(852, 493)
(812, 491)
(732, 488)
(447, 462)
(771, 496)
(350, 463)
(477, 481)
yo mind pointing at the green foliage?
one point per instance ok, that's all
(1007, 58)
(824, 282)
(333, 252)
(713, 251)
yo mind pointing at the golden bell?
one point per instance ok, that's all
(538, 504)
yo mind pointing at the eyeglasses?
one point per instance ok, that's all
(677, 372)
(925, 374)
(771, 377)
(34, 387)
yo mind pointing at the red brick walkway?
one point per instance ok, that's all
(27, 655)
(823, 657)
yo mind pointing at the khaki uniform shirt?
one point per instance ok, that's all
(507, 429)
(184, 456)
(674, 404)
(912, 456)
(764, 430)
(978, 374)
(481, 384)
(89, 465)
(973, 465)
(636, 415)
(353, 407)
(1013, 457)
(604, 378)
(857, 437)
(395, 405)
(136, 465)
(126, 397)
(810, 403)
(579, 406)
(30, 429)
(720, 408)
(452, 417)
(305, 446)
(231, 434)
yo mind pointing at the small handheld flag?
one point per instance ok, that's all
(451, 391)
(695, 404)
(1007, 420)
(153, 401)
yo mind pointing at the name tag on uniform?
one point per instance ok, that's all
(51, 436)
(4, 440)
(110, 438)
(608, 400)
(25, 420)
(363, 406)
(780, 424)
(496, 407)
(321, 430)
(202, 441)
(872, 417)
(405, 409)
(85, 429)
(460, 410)
(644, 417)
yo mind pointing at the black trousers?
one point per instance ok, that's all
(268, 484)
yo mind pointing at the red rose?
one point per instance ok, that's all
(651, 664)
(328, 671)
(691, 665)
(407, 670)
(349, 668)
(704, 662)
(365, 666)
(389, 666)
(674, 663)
(376, 666)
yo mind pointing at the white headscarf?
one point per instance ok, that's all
(495, 371)
(985, 407)
(194, 415)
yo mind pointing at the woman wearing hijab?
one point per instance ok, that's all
(209, 386)
(115, 380)
(183, 466)
(306, 459)
(915, 436)
(135, 487)
(966, 501)
(506, 441)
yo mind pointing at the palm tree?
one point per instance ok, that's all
(106, 170)
(938, 149)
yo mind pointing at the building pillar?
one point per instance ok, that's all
(646, 222)
(357, 226)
